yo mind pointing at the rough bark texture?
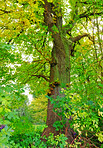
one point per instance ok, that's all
(59, 70)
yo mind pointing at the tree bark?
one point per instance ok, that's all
(59, 73)
(59, 70)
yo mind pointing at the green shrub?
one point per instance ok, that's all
(85, 115)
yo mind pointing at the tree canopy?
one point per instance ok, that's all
(26, 25)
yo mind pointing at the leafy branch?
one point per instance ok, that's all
(5, 11)
(90, 14)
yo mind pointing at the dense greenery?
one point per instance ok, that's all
(29, 33)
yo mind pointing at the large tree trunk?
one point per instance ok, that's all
(59, 73)
(59, 70)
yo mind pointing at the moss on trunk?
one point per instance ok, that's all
(60, 72)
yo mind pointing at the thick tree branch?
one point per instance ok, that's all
(71, 24)
(48, 18)
(86, 14)
(88, 3)
(51, 15)
(67, 28)
(90, 14)
(42, 76)
(77, 38)
(5, 11)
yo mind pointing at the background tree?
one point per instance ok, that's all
(12, 101)
(32, 26)
(38, 109)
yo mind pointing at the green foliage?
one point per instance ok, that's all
(38, 128)
(33, 138)
(10, 103)
(58, 141)
(24, 139)
(23, 26)
(38, 109)
(11, 98)
(84, 115)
